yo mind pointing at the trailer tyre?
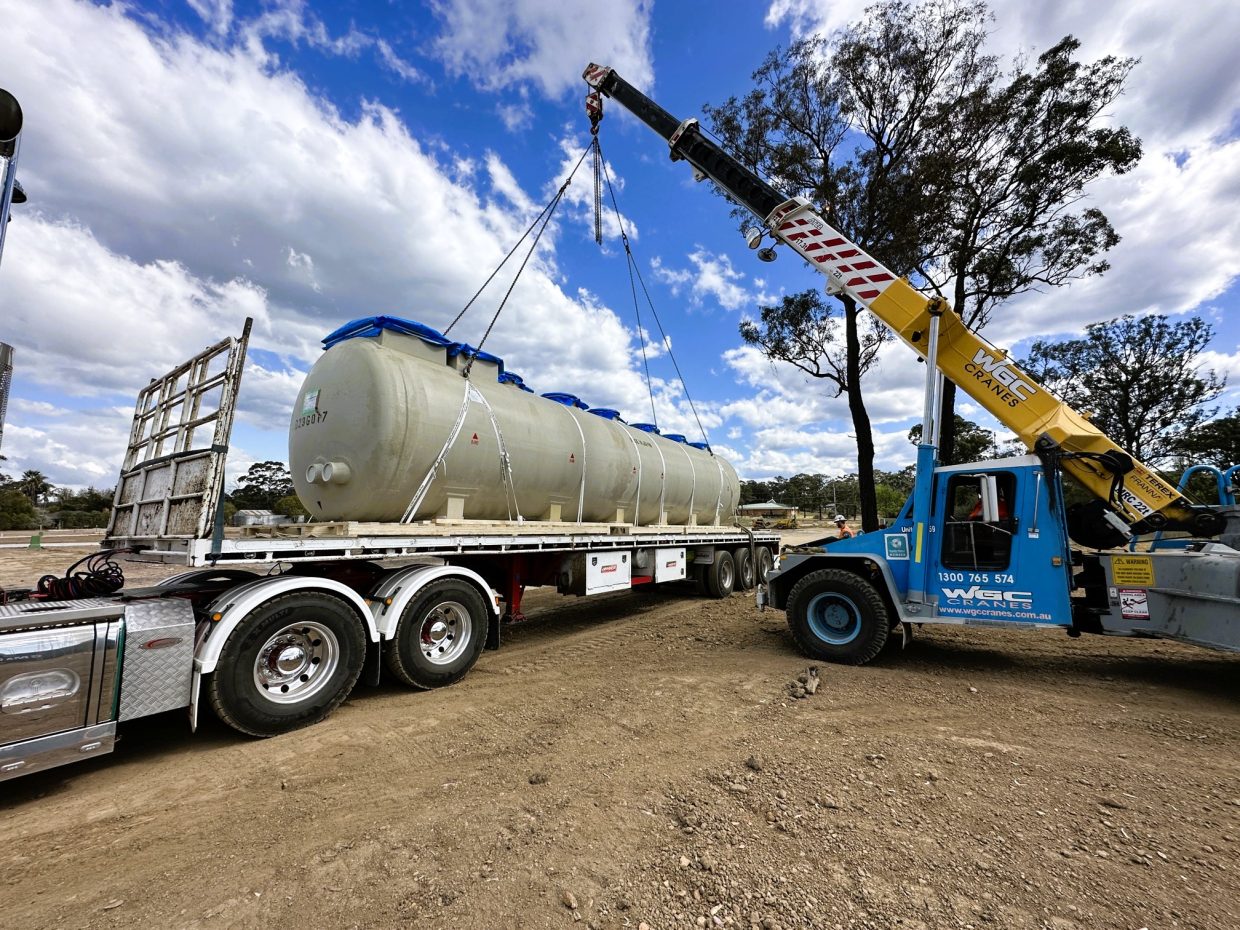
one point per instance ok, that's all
(721, 575)
(766, 564)
(745, 575)
(289, 664)
(836, 616)
(440, 635)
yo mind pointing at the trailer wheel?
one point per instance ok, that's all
(837, 616)
(744, 568)
(721, 575)
(766, 563)
(289, 664)
(440, 634)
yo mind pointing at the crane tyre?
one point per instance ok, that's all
(745, 574)
(289, 664)
(837, 616)
(721, 575)
(440, 634)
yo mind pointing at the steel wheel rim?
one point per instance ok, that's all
(833, 618)
(297, 662)
(445, 632)
(726, 576)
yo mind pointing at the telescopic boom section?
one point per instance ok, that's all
(1044, 423)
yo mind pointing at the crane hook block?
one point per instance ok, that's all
(594, 109)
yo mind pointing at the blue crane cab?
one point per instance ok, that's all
(991, 549)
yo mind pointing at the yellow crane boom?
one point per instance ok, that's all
(1139, 496)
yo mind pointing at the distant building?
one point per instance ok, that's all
(769, 510)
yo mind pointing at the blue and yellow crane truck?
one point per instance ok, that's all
(987, 543)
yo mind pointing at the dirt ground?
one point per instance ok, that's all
(635, 760)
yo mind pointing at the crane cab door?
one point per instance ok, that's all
(999, 554)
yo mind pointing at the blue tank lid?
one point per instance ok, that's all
(675, 437)
(606, 414)
(374, 325)
(568, 400)
(646, 427)
(704, 446)
(511, 377)
(464, 348)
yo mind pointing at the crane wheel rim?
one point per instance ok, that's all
(834, 618)
(445, 633)
(296, 662)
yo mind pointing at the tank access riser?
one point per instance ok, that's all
(402, 541)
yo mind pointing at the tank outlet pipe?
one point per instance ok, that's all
(329, 473)
(10, 146)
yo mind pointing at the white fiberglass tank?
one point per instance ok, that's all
(386, 429)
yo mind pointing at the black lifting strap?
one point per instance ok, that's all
(544, 217)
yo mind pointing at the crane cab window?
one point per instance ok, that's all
(968, 541)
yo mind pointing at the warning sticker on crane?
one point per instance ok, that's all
(1134, 570)
(1134, 604)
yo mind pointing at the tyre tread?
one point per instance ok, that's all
(219, 702)
(855, 586)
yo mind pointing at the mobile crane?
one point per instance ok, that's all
(982, 543)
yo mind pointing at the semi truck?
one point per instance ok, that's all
(275, 627)
(988, 543)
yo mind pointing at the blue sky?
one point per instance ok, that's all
(192, 163)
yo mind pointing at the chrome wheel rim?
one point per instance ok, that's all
(445, 632)
(296, 662)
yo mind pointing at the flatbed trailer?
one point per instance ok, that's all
(274, 628)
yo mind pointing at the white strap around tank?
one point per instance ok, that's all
(693, 475)
(662, 481)
(472, 395)
(637, 503)
(581, 490)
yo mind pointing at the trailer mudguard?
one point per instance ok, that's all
(236, 604)
(400, 587)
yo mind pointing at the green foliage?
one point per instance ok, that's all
(262, 486)
(889, 500)
(80, 519)
(823, 497)
(34, 485)
(1214, 443)
(973, 444)
(91, 499)
(1139, 377)
(290, 506)
(917, 146)
(16, 511)
(802, 330)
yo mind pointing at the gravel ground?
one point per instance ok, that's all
(634, 760)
